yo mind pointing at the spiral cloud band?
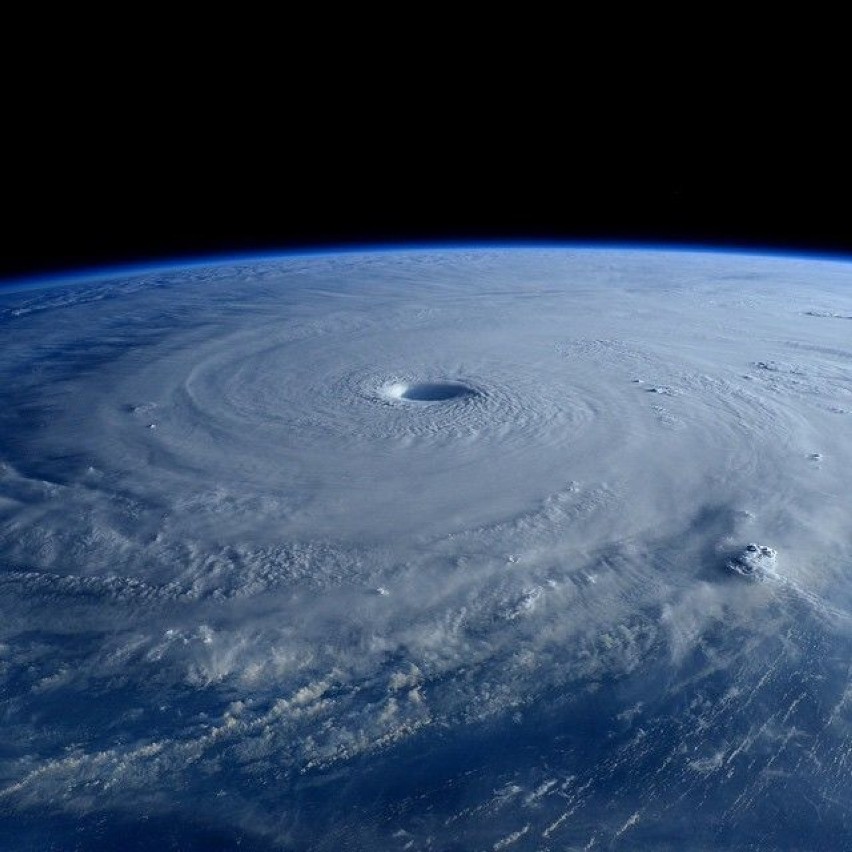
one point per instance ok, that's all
(439, 549)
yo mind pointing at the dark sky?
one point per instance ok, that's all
(73, 207)
(94, 175)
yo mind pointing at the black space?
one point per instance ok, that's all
(96, 175)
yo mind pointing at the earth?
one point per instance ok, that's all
(440, 549)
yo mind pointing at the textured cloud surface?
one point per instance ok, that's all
(522, 549)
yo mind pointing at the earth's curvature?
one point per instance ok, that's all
(470, 549)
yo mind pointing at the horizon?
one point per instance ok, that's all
(89, 272)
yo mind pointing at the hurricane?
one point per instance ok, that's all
(470, 548)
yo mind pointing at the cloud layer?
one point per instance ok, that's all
(249, 594)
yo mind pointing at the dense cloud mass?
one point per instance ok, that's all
(470, 549)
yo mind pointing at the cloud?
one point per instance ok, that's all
(191, 622)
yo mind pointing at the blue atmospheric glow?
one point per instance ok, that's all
(171, 263)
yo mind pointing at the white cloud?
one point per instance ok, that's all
(195, 608)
